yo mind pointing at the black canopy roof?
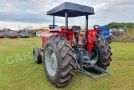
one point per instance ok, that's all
(72, 9)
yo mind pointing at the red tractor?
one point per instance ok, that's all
(69, 50)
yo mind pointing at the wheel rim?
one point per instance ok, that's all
(35, 58)
(50, 61)
(94, 56)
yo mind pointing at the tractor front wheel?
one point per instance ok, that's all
(59, 61)
(37, 55)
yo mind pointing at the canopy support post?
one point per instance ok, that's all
(86, 22)
(66, 20)
(53, 22)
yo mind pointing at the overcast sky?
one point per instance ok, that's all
(21, 13)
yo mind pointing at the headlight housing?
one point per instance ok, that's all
(96, 27)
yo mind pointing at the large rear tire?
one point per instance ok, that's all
(59, 61)
(103, 54)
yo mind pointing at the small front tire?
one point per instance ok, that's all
(37, 55)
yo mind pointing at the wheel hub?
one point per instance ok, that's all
(94, 56)
(35, 58)
(50, 61)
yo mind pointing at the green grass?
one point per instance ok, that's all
(131, 32)
(19, 72)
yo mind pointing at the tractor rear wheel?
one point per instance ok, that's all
(101, 54)
(59, 61)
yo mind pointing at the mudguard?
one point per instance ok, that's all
(66, 33)
(91, 35)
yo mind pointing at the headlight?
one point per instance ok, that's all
(96, 26)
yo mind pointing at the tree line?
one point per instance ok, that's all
(120, 25)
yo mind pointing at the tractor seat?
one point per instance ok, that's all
(76, 29)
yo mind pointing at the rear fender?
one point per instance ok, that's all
(66, 33)
(45, 37)
(91, 35)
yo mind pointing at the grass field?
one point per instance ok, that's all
(19, 72)
(131, 32)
